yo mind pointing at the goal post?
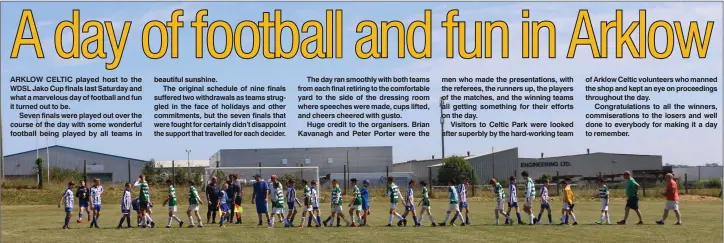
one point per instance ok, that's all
(246, 174)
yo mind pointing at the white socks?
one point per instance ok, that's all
(390, 221)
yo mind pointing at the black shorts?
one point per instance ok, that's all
(238, 200)
(144, 206)
(213, 207)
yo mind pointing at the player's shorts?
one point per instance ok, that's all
(315, 208)
(291, 206)
(513, 204)
(238, 200)
(83, 204)
(672, 205)
(68, 210)
(172, 209)
(545, 206)
(277, 210)
(464, 205)
(500, 205)
(356, 207)
(453, 207)
(566, 206)
(365, 206)
(529, 202)
(308, 208)
(96, 207)
(410, 208)
(193, 207)
(337, 209)
(224, 207)
(604, 206)
(633, 202)
(261, 207)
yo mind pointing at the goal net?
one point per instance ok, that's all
(245, 175)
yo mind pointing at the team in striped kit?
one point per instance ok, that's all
(285, 203)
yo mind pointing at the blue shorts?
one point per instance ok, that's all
(410, 208)
(513, 204)
(68, 210)
(224, 207)
(315, 208)
(633, 202)
(261, 207)
(291, 206)
(96, 207)
(365, 206)
(83, 204)
(545, 206)
(464, 205)
(125, 211)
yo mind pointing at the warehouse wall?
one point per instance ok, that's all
(70, 158)
(329, 160)
(499, 165)
(589, 164)
(699, 173)
(419, 169)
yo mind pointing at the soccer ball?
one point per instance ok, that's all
(78, 220)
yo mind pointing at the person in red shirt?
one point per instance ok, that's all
(672, 199)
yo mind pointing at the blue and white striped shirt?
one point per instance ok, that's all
(513, 192)
(462, 193)
(96, 192)
(126, 200)
(68, 198)
(291, 194)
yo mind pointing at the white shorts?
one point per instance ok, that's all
(672, 205)
(277, 210)
(393, 205)
(500, 206)
(337, 209)
(308, 209)
(356, 207)
(453, 207)
(193, 207)
(172, 209)
(529, 202)
(426, 207)
(566, 206)
(604, 206)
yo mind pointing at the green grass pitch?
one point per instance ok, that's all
(702, 223)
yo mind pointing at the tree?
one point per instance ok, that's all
(152, 173)
(286, 177)
(455, 168)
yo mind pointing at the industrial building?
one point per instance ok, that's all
(328, 159)
(98, 165)
(699, 173)
(195, 166)
(503, 164)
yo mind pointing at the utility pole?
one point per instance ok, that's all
(47, 151)
(2, 155)
(188, 166)
(442, 126)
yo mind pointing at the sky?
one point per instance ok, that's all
(677, 146)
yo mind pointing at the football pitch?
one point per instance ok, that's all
(702, 222)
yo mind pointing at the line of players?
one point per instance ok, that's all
(359, 207)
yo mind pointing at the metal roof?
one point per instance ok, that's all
(75, 149)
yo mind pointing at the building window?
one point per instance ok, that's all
(307, 161)
(284, 161)
(330, 160)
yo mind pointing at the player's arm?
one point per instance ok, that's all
(61, 199)
(137, 183)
